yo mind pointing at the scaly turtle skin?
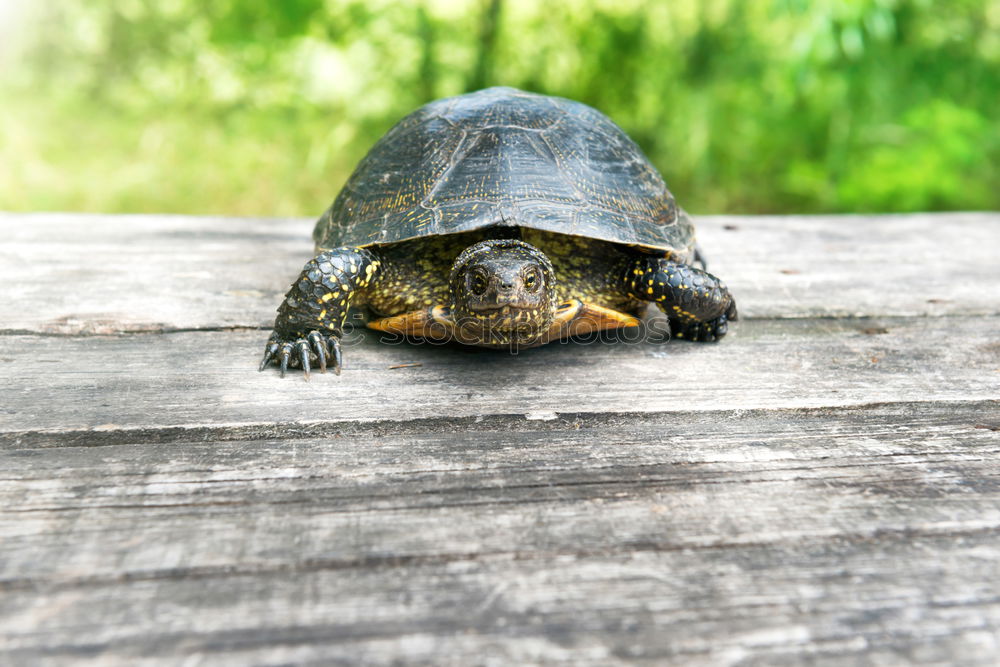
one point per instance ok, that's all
(501, 219)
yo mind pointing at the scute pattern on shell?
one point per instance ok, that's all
(505, 157)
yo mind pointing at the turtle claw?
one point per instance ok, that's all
(703, 332)
(269, 351)
(286, 354)
(731, 314)
(334, 344)
(303, 348)
(316, 347)
(706, 332)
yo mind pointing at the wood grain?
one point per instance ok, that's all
(771, 535)
(71, 274)
(106, 385)
(822, 487)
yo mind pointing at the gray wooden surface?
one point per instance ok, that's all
(822, 487)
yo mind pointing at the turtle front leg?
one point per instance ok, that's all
(311, 319)
(698, 305)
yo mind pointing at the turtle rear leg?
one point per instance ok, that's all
(699, 258)
(311, 319)
(698, 305)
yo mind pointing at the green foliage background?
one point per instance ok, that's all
(236, 107)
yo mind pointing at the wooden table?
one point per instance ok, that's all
(821, 487)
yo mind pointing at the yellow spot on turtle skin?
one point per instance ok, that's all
(345, 288)
(322, 313)
(649, 290)
(326, 297)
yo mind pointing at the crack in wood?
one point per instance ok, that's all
(517, 422)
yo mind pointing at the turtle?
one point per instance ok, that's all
(503, 219)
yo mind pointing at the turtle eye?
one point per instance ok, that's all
(531, 281)
(477, 284)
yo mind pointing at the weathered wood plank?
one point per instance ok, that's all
(816, 488)
(67, 273)
(743, 537)
(829, 601)
(926, 450)
(72, 273)
(94, 389)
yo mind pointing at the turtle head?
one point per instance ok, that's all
(502, 292)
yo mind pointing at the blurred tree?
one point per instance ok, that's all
(264, 108)
(482, 72)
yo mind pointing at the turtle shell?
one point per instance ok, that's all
(504, 157)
